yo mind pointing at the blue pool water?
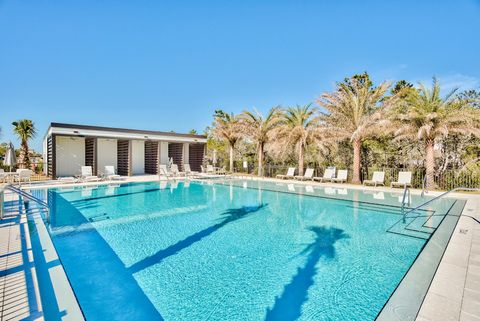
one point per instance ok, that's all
(233, 250)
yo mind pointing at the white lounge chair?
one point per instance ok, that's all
(378, 178)
(175, 171)
(24, 175)
(221, 171)
(341, 176)
(163, 170)
(67, 179)
(404, 180)
(210, 169)
(328, 175)
(87, 174)
(307, 176)
(290, 174)
(109, 173)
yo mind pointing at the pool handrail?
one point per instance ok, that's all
(440, 196)
(26, 195)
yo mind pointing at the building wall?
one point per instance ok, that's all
(138, 157)
(70, 155)
(164, 153)
(106, 154)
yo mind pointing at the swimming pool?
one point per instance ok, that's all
(234, 249)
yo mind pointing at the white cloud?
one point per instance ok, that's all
(452, 81)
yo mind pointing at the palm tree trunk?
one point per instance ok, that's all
(231, 158)
(301, 157)
(430, 164)
(26, 158)
(260, 160)
(357, 144)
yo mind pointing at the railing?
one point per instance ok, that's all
(28, 196)
(467, 189)
(444, 180)
(406, 191)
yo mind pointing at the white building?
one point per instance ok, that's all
(67, 147)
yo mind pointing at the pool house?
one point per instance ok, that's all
(67, 147)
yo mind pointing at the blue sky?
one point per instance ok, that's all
(167, 65)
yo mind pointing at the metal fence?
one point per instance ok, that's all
(445, 180)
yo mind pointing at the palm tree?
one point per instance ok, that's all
(427, 117)
(298, 128)
(226, 127)
(259, 130)
(353, 112)
(25, 130)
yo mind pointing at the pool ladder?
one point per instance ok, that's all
(405, 198)
(26, 195)
(406, 225)
(467, 189)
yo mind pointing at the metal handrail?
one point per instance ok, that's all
(405, 191)
(440, 196)
(30, 197)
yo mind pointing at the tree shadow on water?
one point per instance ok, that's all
(288, 306)
(229, 216)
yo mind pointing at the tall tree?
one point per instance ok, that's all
(428, 117)
(25, 130)
(472, 96)
(402, 88)
(299, 128)
(354, 111)
(259, 129)
(226, 127)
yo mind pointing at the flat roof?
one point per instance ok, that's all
(125, 130)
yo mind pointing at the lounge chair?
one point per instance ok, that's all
(404, 180)
(328, 175)
(2, 175)
(109, 173)
(163, 170)
(221, 171)
(67, 179)
(175, 171)
(24, 175)
(307, 176)
(210, 169)
(290, 174)
(188, 170)
(341, 176)
(378, 178)
(87, 175)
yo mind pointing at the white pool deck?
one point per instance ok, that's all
(454, 293)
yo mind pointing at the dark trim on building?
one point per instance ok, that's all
(54, 156)
(124, 130)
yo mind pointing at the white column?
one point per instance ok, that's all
(163, 152)
(186, 153)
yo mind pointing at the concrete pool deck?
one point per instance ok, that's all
(454, 293)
